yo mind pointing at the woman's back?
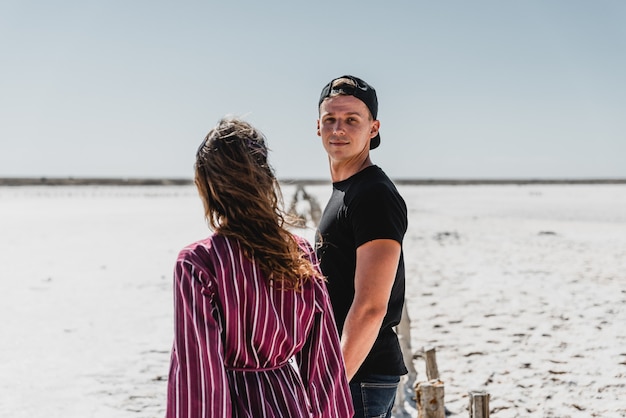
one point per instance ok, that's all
(251, 349)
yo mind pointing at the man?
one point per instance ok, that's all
(359, 244)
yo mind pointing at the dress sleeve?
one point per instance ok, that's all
(321, 363)
(197, 385)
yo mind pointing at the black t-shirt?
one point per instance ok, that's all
(362, 208)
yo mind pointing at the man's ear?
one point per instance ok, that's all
(319, 133)
(375, 128)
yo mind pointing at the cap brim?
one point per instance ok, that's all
(375, 142)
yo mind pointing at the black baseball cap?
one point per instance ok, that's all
(362, 91)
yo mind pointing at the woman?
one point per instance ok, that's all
(254, 332)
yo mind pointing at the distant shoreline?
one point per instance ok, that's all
(75, 181)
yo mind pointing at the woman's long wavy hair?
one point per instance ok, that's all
(242, 200)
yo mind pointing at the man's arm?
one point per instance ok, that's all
(376, 266)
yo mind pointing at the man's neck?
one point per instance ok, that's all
(343, 171)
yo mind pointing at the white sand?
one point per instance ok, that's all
(521, 289)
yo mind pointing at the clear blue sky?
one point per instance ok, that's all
(467, 89)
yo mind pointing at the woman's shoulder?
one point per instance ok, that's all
(306, 247)
(302, 242)
(208, 256)
(202, 248)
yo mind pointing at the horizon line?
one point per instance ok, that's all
(139, 181)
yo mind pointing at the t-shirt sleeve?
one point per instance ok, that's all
(378, 212)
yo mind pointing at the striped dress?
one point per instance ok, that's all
(244, 349)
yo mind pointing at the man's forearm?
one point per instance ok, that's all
(359, 334)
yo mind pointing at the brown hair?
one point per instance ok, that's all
(242, 200)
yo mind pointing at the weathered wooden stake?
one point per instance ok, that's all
(432, 372)
(430, 399)
(407, 382)
(479, 404)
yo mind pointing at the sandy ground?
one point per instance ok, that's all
(521, 289)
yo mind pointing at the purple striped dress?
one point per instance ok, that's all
(244, 349)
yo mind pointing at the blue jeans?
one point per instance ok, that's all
(373, 396)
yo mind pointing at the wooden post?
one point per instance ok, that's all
(407, 382)
(430, 399)
(432, 372)
(404, 336)
(430, 395)
(479, 404)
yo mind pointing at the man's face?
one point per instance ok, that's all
(346, 127)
